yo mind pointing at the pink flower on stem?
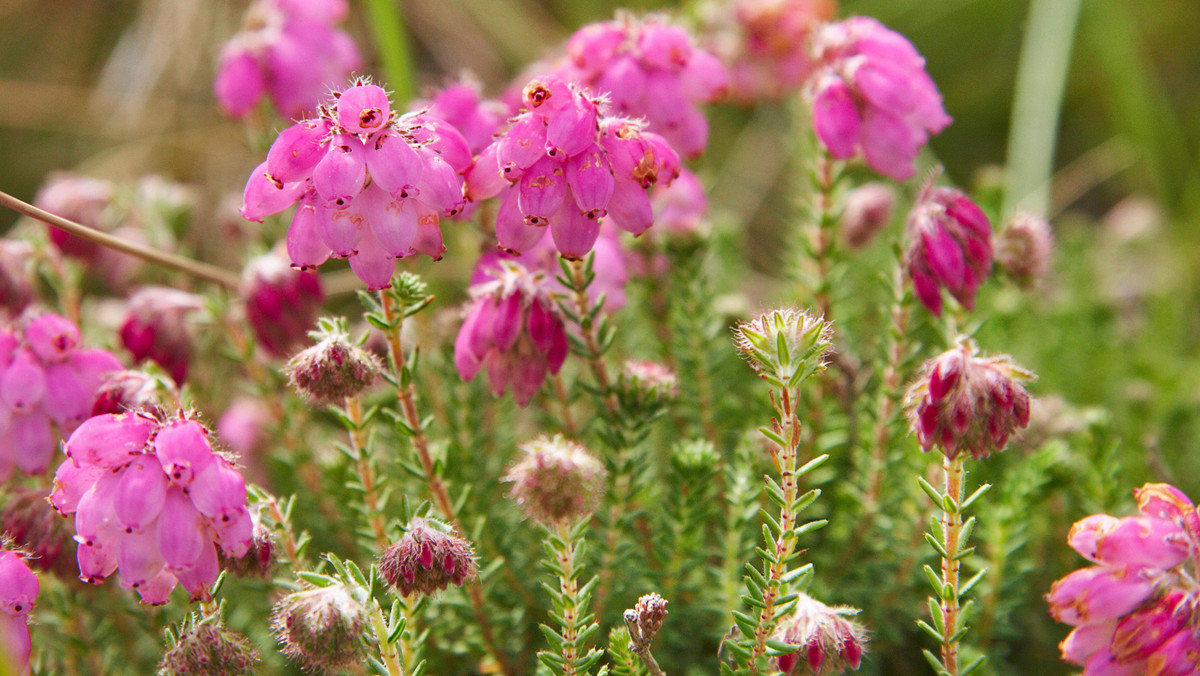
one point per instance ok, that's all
(152, 501)
(281, 303)
(950, 247)
(288, 50)
(372, 186)
(47, 381)
(18, 589)
(648, 69)
(563, 165)
(1135, 611)
(156, 327)
(513, 328)
(872, 97)
(829, 640)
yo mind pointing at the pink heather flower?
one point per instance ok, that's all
(209, 647)
(288, 50)
(281, 303)
(320, 628)
(556, 481)
(152, 501)
(681, 207)
(242, 426)
(1024, 248)
(427, 559)
(34, 527)
(47, 381)
(132, 391)
(872, 97)
(868, 208)
(568, 164)
(1136, 610)
(16, 277)
(950, 247)
(829, 641)
(372, 186)
(18, 589)
(333, 369)
(156, 327)
(966, 402)
(649, 69)
(514, 329)
(765, 44)
(462, 106)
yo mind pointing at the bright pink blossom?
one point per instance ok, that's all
(18, 589)
(1136, 610)
(288, 50)
(281, 303)
(950, 247)
(514, 329)
(372, 186)
(830, 641)
(152, 501)
(872, 97)
(461, 105)
(48, 384)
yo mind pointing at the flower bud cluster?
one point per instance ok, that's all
(372, 186)
(281, 303)
(288, 50)
(333, 369)
(950, 247)
(320, 627)
(38, 531)
(1137, 611)
(646, 385)
(513, 328)
(47, 380)
(556, 481)
(566, 163)
(872, 97)
(652, 69)
(829, 641)
(207, 647)
(18, 589)
(461, 105)
(1024, 249)
(428, 559)
(966, 402)
(157, 327)
(765, 44)
(785, 346)
(152, 501)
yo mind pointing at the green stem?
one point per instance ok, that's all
(595, 356)
(952, 526)
(388, 653)
(391, 43)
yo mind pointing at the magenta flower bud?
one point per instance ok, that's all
(332, 370)
(208, 647)
(523, 144)
(140, 493)
(394, 165)
(950, 247)
(265, 195)
(828, 641)
(296, 151)
(542, 189)
(1139, 634)
(281, 303)
(591, 181)
(321, 628)
(305, 244)
(1099, 593)
(1024, 248)
(16, 276)
(1178, 656)
(258, 559)
(556, 481)
(427, 559)
(157, 327)
(1086, 640)
(52, 338)
(965, 402)
(109, 441)
(1164, 501)
(342, 172)
(239, 83)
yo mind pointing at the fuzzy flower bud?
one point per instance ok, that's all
(281, 303)
(157, 327)
(332, 370)
(829, 641)
(320, 628)
(556, 481)
(785, 346)
(34, 527)
(646, 617)
(429, 558)
(18, 589)
(257, 561)
(966, 402)
(208, 647)
(1024, 249)
(646, 385)
(16, 276)
(131, 391)
(868, 209)
(951, 248)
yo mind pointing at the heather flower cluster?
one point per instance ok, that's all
(967, 402)
(208, 647)
(514, 329)
(372, 186)
(281, 303)
(461, 105)
(320, 627)
(289, 50)
(157, 327)
(48, 380)
(648, 68)
(428, 559)
(153, 502)
(871, 96)
(950, 248)
(18, 589)
(569, 164)
(1135, 611)
(556, 481)
(333, 369)
(829, 641)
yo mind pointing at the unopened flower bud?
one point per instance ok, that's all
(951, 248)
(650, 611)
(281, 303)
(868, 208)
(36, 528)
(257, 560)
(332, 370)
(556, 481)
(16, 276)
(207, 648)
(428, 559)
(829, 641)
(785, 346)
(1024, 249)
(157, 327)
(646, 384)
(321, 628)
(965, 402)
(133, 391)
